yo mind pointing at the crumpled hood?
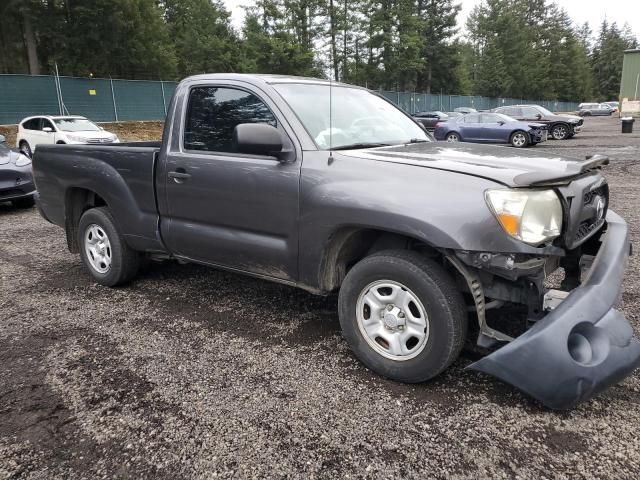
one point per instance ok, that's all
(506, 165)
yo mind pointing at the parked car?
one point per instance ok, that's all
(615, 106)
(454, 114)
(465, 110)
(429, 119)
(595, 109)
(491, 128)
(49, 130)
(424, 240)
(16, 180)
(560, 127)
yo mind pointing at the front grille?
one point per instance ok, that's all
(587, 201)
(99, 140)
(595, 203)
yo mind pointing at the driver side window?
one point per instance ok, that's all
(214, 112)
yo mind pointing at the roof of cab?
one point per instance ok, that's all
(265, 79)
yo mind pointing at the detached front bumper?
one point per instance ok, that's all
(583, 346)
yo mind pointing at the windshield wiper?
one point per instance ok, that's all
(354, 146)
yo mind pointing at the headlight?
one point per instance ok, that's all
(73, 138)
(23, 161)
(533, 216)
(115, 139)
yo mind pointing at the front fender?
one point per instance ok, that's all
(443, 209)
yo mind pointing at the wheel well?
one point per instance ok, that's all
(347, 246)
(78, 201)
(60, 142)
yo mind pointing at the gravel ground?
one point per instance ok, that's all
(193, 373)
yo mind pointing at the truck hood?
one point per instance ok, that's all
(506, 165)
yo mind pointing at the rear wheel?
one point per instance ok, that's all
(103, 250)
(560, 132)
(25, 149)
(452, 137)
(403, 315)
(519, 139)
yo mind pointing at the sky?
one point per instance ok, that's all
(592, 11)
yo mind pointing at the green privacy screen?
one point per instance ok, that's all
(105, 100)
(101, 100)
(423, 102)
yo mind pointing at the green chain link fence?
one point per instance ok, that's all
(423, 102)
(102, 100)
(106, 100)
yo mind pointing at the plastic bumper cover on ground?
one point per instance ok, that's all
(583, 346)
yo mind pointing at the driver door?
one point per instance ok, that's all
(223, 208)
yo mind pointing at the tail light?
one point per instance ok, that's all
(437, 125)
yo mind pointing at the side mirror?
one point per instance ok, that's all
(258, 139)
(47, 129)
(501, 122)
(538, 116)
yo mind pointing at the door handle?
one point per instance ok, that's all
(179, 175)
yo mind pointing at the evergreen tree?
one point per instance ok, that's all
(202, 34)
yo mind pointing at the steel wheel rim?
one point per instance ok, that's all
(559, 132)
(392, 320)
(97, 248)
(452, 138)
(519, 139)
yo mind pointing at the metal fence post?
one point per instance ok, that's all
(113, 98)
(164, 101)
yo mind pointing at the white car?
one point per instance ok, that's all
(50, 130)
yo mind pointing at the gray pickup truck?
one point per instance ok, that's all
(332, 188)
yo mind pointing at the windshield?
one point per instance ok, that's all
(358, 116)
(76, 125)
(544, 111)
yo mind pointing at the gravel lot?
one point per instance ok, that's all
(193, 373)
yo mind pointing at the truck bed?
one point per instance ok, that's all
(122, 174)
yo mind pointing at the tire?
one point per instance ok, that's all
(452, 137)
(27, 202)
(519, 139)
(560, 131)
(432, 293)
(25, 149)
(114, 262)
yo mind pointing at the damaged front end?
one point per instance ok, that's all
(575, 343)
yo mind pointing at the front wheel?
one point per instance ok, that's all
(25, 149)
(560, 132)
(104, 252)
(402, 315)
(519, 139)
(452, 137)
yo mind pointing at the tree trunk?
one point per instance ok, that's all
(344, 41)
(30, 44)
(334, 47)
